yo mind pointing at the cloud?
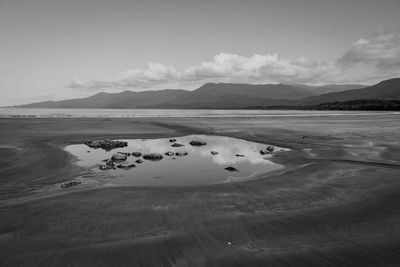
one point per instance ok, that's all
(375, 57)
(382, 51)
(156, 73)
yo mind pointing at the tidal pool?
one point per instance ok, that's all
(202, 165)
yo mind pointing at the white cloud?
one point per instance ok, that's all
(382, 51)
(367, 59)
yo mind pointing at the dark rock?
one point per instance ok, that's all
(69, 184)
(214, 152)
(110, 163)
(239, 155)
(153, 156)
(262, 152)
(126, 166)
(172, 140)
(176, 145)
(136, 154)
(169, 153)
(197, 143)
(139, 161)
(231, 169)
(181, 153)
(119, 157)
(106, 144)
(270, 149)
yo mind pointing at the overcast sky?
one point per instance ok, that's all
(56, 49)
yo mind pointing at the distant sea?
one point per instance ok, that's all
(143, 113)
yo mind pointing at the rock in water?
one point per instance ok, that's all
(126, 166)
(262, 152)
(119, 157)
(169, 153)
(239, 155)
(172, 140)
(136, 154)
(176, 145)
(181, 153)
(110, 163)
(270, 149)
(139, 161)
(214, 153)
(231, 169)
(197, 143)
(106, 144)
(153, 156)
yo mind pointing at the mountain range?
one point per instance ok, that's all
(229, 95)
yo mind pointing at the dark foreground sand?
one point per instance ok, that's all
(335, 204)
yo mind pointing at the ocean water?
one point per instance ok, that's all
(137, 113)
(199, 166)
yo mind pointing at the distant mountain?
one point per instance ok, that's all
(330, 88)
(210, 95)
(126, 99)
(271, 91)
(385, 90)
(231, 96)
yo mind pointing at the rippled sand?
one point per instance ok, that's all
(336, 203)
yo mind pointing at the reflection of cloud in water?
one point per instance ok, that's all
(198, 167)
(227, 149)
(227, 154)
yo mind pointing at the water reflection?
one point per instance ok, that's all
(200, 166)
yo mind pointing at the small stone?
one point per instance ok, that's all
(136, 154)
(214, 153)
(197, 143)
(118, 157)
(126, 166)
(139, 161)
(109, 162)
(169, 153)
(153, 156)
(181, 153)
(176, 145)
(172, 140)
(231, 169)
(239, 155)
(270, 149)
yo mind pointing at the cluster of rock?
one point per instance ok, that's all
(106, 144)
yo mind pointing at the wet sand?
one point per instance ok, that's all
(336, 203)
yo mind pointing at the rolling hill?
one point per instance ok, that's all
(228, 95)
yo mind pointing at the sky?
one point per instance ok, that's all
(55, 49)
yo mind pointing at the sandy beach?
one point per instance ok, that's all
(335, 203)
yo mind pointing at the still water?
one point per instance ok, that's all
(201, 165)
